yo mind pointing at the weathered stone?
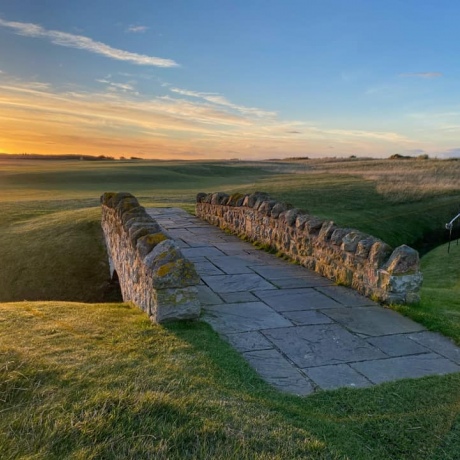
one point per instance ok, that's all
(138, 231)
(364, 246)
(289, 217)
(126, 205)
(200, 197)
(403, 261)
(312, 330)
(313, 224)
(146, 241)
(338, 235)
(175, 274)
(301, 220)
(132, 213)
(234, 198)
(240, 201)
(175, 304)
(135, 218)
(218, 197)
(266, 207)
(278, 208)
(326, 231)
(164, 252)
(131, 238)
(379, 254)
(343, 255)
(351, 240)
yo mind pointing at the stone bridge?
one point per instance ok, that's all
(299, 330)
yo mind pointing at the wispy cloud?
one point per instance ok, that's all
(217, 99)
(117, 121)
(422, 74)
(84, 43)
(137, 29)
(112, 86)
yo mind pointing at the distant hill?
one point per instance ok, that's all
(36, 156)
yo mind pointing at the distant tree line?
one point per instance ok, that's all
(37, 156)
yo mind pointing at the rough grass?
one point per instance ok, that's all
(99, 381)
(439, 308)
(58, 256)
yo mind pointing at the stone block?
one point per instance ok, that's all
(175, 304)
(379, 254)
(174, 274)
(403, 261)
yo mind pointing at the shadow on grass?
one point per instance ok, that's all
(410, 419)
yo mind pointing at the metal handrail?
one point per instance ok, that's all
(449, 227)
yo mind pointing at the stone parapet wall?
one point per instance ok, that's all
(153, 273)
(347, 256)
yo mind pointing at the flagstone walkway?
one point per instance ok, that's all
(299, 330)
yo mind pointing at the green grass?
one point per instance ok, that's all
(439, 308)
(58, 256)
(99, 381)
(82, 381)
(355, 202)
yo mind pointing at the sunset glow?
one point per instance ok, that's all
(228, 79)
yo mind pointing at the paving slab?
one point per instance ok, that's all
(373, 321)
(304, 317)
(238, 297)
(207, 268)
(337, 376)
(236, 283)
(230, 248)
(287, 271)
(292, 283)
(275, 369)
(208, 297)
(231, 265)
(319, 345)
(397, 345)
(439, 344)
(385, 370)
(298, 330)
(248, 341)
(347, 296)
(243, 317)
(296, 299)
(209, 251)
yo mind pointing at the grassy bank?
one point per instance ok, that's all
(84, 381)
(439, 309)
(99, 381)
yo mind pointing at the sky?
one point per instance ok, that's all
(247, 79)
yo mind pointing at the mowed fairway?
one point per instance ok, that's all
(98, 380)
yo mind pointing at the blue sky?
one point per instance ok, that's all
(250, 79)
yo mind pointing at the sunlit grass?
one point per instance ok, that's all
(100, 381)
